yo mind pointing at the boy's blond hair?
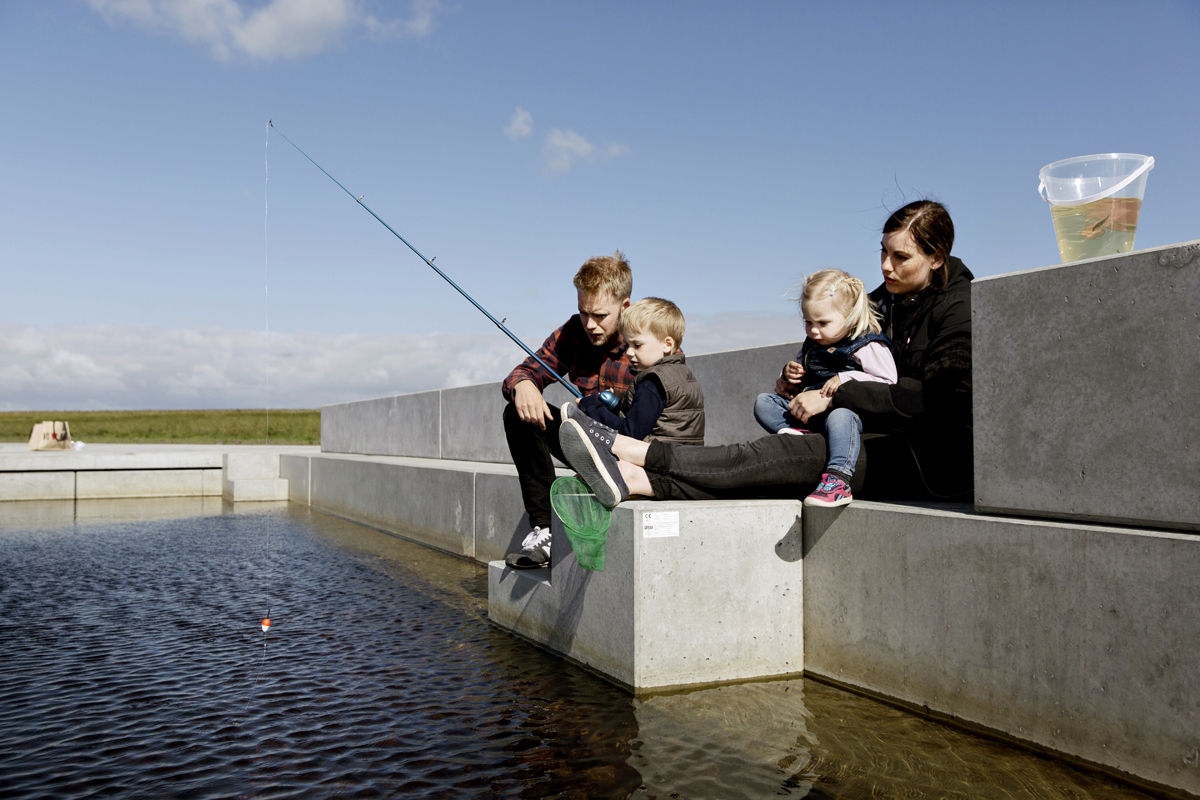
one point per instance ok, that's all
(660, 317)
(849, 297)
(603, 275)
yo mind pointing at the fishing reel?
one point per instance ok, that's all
(610, 399)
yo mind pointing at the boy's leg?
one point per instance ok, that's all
(771, 411)
(531, 449)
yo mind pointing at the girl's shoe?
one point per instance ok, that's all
(831, 492)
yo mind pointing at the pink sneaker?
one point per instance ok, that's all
(831, 492)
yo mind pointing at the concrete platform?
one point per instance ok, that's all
(113, 471)
(1087, 389)
(692, 593)
(1077, 638)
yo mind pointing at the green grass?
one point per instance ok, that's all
(249, 426)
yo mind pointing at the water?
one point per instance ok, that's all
(1103, 228)
(134, 666)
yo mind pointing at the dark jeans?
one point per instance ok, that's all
(531, 449)
(780, 466)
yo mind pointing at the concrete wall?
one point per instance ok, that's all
(1073, 636)
(709, 603)
(1087, 389)
(464, 423)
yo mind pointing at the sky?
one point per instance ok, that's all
(161, 248)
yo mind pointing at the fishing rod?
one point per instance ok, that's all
(499, 323)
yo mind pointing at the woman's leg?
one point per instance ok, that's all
(631, 451)
(771, 411)
(772, 465)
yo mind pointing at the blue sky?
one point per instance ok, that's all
(727, 149)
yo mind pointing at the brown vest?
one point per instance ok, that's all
(682, 418)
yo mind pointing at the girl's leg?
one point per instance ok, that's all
(843, 432)
(771, 411)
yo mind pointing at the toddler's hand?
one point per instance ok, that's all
(831, 386)
(793, 372)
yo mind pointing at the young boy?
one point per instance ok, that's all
(589, 349)
(665, 401)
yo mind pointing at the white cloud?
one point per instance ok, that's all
(76, 367)
(520, 126)
(563, 149)
(278, 29)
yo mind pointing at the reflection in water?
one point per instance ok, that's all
(134, 666)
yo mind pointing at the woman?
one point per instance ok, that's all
(917, 432)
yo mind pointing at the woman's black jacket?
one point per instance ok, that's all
(930, 404)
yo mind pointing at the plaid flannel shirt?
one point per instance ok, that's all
(569, 351)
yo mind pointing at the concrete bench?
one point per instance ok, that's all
(691, 593)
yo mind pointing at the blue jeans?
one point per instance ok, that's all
(841, 426)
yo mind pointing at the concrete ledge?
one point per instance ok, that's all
(147, 483)
(40, 485)
(1085, 389)
(718, 598)
(469, 509)
(1074, 637)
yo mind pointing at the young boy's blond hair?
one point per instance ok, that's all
(606, 275)
(656, 315)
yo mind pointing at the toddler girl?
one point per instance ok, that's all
(845, 343)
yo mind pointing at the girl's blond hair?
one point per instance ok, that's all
(849, 297)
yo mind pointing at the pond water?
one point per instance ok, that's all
(134, 665)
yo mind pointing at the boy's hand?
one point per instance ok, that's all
(831, 386)
(793, 371)
(531, 406)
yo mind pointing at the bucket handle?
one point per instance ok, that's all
(1130, 178)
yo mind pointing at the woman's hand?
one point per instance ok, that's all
(831, 386)
(785, 389)
(807, 405)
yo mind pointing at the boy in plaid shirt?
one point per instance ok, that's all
(588, 348)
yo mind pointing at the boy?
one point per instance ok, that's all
(665, 401)
(588, 348)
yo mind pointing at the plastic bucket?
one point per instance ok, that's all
(1095, 202)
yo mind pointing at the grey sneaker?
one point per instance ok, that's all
(589, 452)
(534, 552)
(571, 410)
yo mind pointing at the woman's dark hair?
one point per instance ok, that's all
(932, 229)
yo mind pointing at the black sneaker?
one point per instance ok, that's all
(589, 452)
(534, 552)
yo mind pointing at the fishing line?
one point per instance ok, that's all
(499, 323)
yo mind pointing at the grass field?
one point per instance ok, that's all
(288, 426)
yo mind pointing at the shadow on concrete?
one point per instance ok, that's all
(791, 547)
(816, 522)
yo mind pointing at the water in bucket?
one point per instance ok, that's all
(1095, 202)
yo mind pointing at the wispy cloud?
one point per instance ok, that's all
(80, 367)
(278, 29)
(564, 149)
(520, 126)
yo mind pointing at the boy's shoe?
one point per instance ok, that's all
(534, 552)
(589, 452)
(831, 492)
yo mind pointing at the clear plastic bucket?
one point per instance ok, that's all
(1095, 202)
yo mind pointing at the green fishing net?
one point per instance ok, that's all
(584, 519)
